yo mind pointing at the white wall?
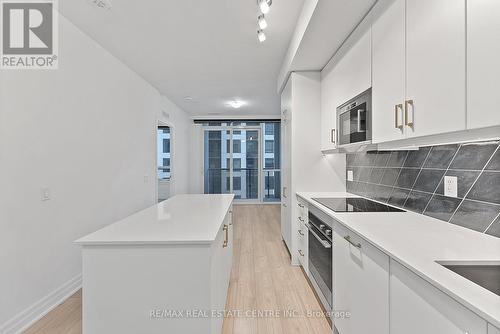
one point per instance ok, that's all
(180, 127)
(87, 132)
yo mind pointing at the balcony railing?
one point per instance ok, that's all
(216, 182)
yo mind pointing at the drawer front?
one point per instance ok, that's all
(418, 307)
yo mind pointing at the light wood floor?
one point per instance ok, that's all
(261, 279)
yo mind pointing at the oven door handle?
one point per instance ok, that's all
(325, 243)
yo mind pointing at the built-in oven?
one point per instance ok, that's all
(320, 257)
(354, 120)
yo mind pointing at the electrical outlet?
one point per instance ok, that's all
(451, 186)
(350, 175)
(45, 194)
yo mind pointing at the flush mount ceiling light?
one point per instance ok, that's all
(265, 5)
(261, 36)
(188, 98)
(262, 22)
(236, 104)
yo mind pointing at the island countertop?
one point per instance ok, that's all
(182, 219)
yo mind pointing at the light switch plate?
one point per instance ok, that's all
(350, 175)
(451, 186)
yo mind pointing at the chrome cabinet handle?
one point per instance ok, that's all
(301, 219)
(301, 253)
(300, 205)
(284, 192)
(409, 121)
(300, 232)
(348, 238)
(332, 136)
(397, 124)
(226, 228)
(284, 205)
(325, 243)
(321, 226)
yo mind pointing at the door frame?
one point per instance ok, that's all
(159, 123)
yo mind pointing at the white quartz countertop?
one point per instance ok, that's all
(182, 219)
(418, 241)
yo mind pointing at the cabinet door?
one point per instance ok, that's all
(361, 284)
(329, 104)
(435, 64)
(417, 307)
(483, 52)
(388, 49)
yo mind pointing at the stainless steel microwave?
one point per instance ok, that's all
(354, 120)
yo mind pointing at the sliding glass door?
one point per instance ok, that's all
(243, 159)
(232, 159)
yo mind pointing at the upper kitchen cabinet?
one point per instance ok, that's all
(419, 75)
(435, 67)
(388, 91)
(347, 75)
(483, 70)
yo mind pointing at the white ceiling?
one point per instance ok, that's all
(200, 48)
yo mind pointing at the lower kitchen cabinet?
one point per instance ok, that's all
(418, 307)
(302, 234)
(361, 284)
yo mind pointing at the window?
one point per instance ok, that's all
(269, 163)
(236, 163)
(269, 146)
(236, 183)
(269, 129)
(228, 146)
(236, 146)
(166, 145)
(163, 152)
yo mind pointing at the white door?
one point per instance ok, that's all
(435, 63)
(483, 53)
(388, 88)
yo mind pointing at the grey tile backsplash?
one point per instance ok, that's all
(414, 180)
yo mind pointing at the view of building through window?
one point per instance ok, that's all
(163, 152)
(249, 167)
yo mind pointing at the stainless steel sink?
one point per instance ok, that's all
(485, 275)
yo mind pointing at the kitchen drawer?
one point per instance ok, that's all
(418, 307)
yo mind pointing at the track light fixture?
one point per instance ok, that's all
(262, 22)
(265, 5)
(261, 36)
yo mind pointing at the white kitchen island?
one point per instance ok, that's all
(162, 270)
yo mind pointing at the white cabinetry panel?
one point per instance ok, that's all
(483, 68)
(361, 284)
(388, 34)
(417, 307)
(435, 66)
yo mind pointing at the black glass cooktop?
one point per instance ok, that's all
(352, 204)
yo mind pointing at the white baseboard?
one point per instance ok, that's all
(38, 310)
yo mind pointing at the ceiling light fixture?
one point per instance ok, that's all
(265, 5)
(262, 22)
(236, 104)
(261, 36)
(188, 98)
